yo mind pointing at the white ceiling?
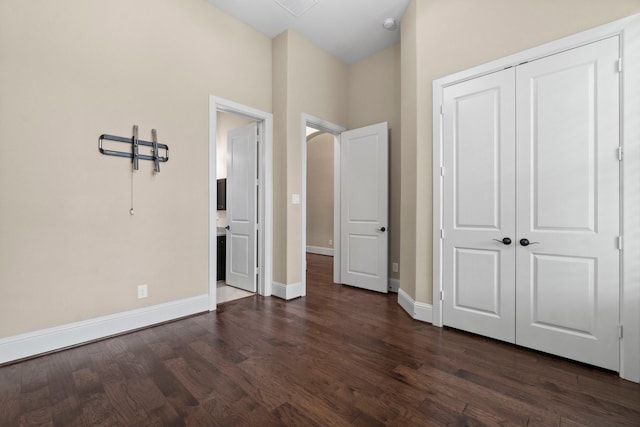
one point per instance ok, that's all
(351, 30)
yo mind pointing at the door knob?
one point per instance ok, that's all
(228, 227)
(381, 229)
(526, 242)
(506, 240)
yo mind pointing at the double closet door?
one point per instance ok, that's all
(531, 213)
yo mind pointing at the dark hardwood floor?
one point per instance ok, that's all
(340, 356)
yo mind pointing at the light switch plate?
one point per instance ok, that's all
(295, 199)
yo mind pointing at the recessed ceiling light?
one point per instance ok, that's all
(296, 7)
(390, 24)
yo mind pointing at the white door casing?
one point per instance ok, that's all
(242, 147)
(364, 181)
(568, 199)
(479, 190)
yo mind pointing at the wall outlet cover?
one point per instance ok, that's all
(143, 291)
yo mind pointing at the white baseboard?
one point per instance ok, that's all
(320, 250)
(33, 343)
(417, 310)
(394, 285)
(287, 292)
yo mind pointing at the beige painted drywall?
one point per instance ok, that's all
(320, 148)
(280, 83)
(440, 37)
(70, 71)
(315, 83)
(408, 162)
(374, 96)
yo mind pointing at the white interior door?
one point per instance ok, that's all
(568, 204)
(364, 183)
(478, 211)
(242, 178)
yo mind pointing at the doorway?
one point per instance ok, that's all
(360, 207)
(320, 126)
(235, 114)
(320, 197)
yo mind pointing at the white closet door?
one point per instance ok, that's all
(479, 185)
(568, 203)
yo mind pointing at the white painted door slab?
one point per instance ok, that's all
(242, 148)
(478, 211)
(364, 181)
(568, 201)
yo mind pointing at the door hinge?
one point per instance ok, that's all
(441, 110)
(441, 170)
(619, 331)
(620, 153)
(619, 65)
(619, 242)
(442, 233)
(441, 295)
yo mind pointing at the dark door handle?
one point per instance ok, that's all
(228, 227)
(381, 229)
(526, 242)
(506, 240)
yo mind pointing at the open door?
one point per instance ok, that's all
(242, 148)
(364, 177)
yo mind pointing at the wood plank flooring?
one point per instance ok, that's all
(340, 356)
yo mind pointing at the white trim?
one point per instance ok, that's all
(417, 310)
(320, 250)
(265, 192)
(394, 285)
(287, 292)
(628, 29)
(423, 312)
(45, 340)
(335, 130)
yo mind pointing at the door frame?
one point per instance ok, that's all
(628, 29)
(265, 193)
(335, 130)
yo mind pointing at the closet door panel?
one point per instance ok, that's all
(568, 204)
(479, 185)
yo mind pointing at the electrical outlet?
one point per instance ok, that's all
(330, 242)
(394, 267)
(143, 291)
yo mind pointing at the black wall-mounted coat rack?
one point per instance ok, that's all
(134, 154)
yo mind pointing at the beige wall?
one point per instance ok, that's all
(374, 96)
(408, 163)
(320, 148)
(71, 70)
(280, 48)
(316, 83)
(445, 36)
